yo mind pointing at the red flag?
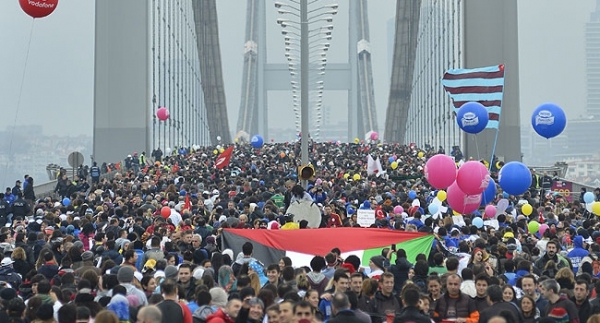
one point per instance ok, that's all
(223, 159)
(188, 204)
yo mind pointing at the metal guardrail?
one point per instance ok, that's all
(44, 190)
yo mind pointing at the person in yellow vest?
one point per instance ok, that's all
(143, 161)
(535, 184)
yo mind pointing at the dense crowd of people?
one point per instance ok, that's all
(145, 245)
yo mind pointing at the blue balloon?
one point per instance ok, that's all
(505, 195)
(182, 193)
(391, 159)
(66, 201)
(412, 194)
(472, 117)
(548, 120)
(588, 197)
(350, 210)
(514, 178)
(257, 141)
(261, 183)
(433, 208)
(478, 222)
(367, 204)
(489, 194)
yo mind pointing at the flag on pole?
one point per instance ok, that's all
(484, 85)
(224, 157)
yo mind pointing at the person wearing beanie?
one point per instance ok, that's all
(219, 296)
(125, 277)
(88, 264)
(376, 266)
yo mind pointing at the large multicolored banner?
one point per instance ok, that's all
(302, 245)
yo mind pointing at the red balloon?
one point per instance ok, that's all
(165, 212)
(38, 8)
(162, 113)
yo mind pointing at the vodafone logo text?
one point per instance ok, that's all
(41, 4)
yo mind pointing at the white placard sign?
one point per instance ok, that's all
(365, 217)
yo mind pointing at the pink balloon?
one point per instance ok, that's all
(543, 228)
(473, 178)
(162, 113)
(490, 211)
(374, 136)
(398, 209)
(461, 202)
(440, 171)
(319, 181)
(395, 157)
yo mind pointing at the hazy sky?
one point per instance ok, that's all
(58, 76)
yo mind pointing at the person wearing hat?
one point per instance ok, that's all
(376, 266)
(88, 264)
(8, 274)
(125, 277)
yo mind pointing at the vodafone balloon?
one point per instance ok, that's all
(38, 8)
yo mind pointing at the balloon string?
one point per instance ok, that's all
(476, 146)
(12, 133)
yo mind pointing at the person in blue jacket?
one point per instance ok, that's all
(578, 252)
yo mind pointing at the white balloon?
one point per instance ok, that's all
(219, 138)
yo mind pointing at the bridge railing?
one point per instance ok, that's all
(44, 190)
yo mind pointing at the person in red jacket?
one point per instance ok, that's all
(228, 314)
(333, 220)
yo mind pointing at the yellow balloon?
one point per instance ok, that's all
(421, 154)
(346, 176)
(394, 165)
(356, 177)
(236, 139)
(527, 209)
(441, 195)
(356, 140)
(596, 208)
(215, 151)
(455, 213)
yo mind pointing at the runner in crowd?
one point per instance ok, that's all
(144, 244)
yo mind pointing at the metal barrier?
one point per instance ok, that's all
(47, 189)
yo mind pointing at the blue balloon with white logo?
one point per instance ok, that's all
(472, 117)
(514, 178)
(548, 120)
(257, 141)
(489, 194)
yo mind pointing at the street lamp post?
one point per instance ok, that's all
(304, 83)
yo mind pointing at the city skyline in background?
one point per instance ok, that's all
(58, 76)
